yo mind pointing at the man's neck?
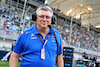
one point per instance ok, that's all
(43, 31)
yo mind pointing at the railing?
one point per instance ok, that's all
(19, 6)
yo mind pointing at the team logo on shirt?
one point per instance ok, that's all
(33, 36)
(53, 39)
(28, 32)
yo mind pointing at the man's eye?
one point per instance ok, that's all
(47, 17)
(41, 16)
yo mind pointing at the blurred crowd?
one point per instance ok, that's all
(80, 38)
(10, 21)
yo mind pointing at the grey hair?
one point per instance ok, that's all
(44, 7)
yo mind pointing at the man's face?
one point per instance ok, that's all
(43, 18)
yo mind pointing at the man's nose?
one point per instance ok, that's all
(44, 18)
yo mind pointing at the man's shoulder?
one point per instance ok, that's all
(26, 31)
(56, 32)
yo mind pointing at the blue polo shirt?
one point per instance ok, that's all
(30, 45)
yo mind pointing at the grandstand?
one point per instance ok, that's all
(81, 38)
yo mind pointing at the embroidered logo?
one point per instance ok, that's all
(53, 39)
(33, 36)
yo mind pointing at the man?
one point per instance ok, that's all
(85, 56)
(38, 44)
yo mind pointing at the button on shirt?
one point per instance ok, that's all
(30, 45)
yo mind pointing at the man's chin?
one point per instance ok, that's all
(44, 26)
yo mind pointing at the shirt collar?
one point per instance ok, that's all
(51, 30)
(35, 30)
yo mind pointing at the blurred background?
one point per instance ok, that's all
(78, 22)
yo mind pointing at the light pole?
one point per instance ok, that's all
(81, 10)
(25, 17)
(23, 14)
(71, 26)
(89, 9)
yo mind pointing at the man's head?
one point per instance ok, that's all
(44, 16)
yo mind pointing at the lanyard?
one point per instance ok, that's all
(44, 43)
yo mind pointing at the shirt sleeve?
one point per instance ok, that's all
(19, 44)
